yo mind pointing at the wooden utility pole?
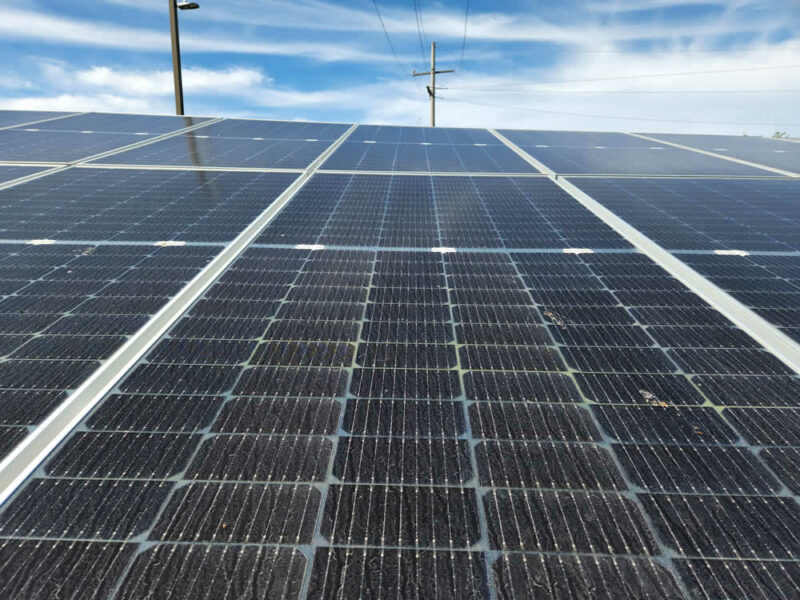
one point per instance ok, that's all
(432, 87)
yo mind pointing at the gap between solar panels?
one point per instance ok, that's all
(716, 155)
(29, 453)
(764, 332)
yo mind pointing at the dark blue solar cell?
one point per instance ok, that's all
(705, 214)
(196, 149)
(370, 155)
(771, 152)
(8, 173)
(618, 154)
(117, 123)
(18, 117)
(274, 130)
(25, 145)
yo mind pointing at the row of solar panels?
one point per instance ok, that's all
(363, 417)
(294, 145)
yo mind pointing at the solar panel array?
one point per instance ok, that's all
(434, 373)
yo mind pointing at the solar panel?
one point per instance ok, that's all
(766, 151)
(9, 118)
(277, 394)
(31, 146)
(571, 152)
(417, 135)
(114, 123)
(198, 150)
(136, 205)
(275, 130)
(64, 309)
(238, 143)
(707, 214)
(7, 173)
(422, 385)
(410, 149)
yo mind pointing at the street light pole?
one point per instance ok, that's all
(176, 56)
(174, 5)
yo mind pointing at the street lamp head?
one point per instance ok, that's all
(188, 5)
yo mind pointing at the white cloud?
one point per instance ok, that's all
(231, 81)
(577, 90)
(87, 102)
(523, 101)
(25, 24)
(664, 103)
(581, 29)
(14, 82)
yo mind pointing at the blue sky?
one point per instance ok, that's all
(729, 66)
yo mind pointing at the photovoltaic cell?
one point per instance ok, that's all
(29, 145)
(197, 149)
(420, 211)
(416, 135)
(426, 157)
(705, 214)
(239, 143)
(275, 431)
(7, 173)
(768, 284)
(605, 153)
(274, 130)
(53, 331)
(116, 123)
(17, 117)
(373, 418)
(137, 205)
(764, 151)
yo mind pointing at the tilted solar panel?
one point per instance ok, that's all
(7, 173)
(10, 118)
(765, 151)
(114, 123)
(571, 152)
(415, 385)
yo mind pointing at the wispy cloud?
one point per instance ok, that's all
(24, 24)
(87, 102)
(232, 81)
(592, 82)
(509, 26)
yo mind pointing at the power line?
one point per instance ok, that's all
(606, 92)
(419, 32)
(388, 39)
(726, 51)
(463, 40)
(576, 114)
(642, 76)
(422, 24)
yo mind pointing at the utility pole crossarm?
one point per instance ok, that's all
(432, 87)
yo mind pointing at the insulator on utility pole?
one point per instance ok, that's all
(432, 87)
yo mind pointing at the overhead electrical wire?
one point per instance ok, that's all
(388, 39)
(422, 23)
(419, 32)
(620, 77)
(577, 114)
(463, 40)
(605, 92)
